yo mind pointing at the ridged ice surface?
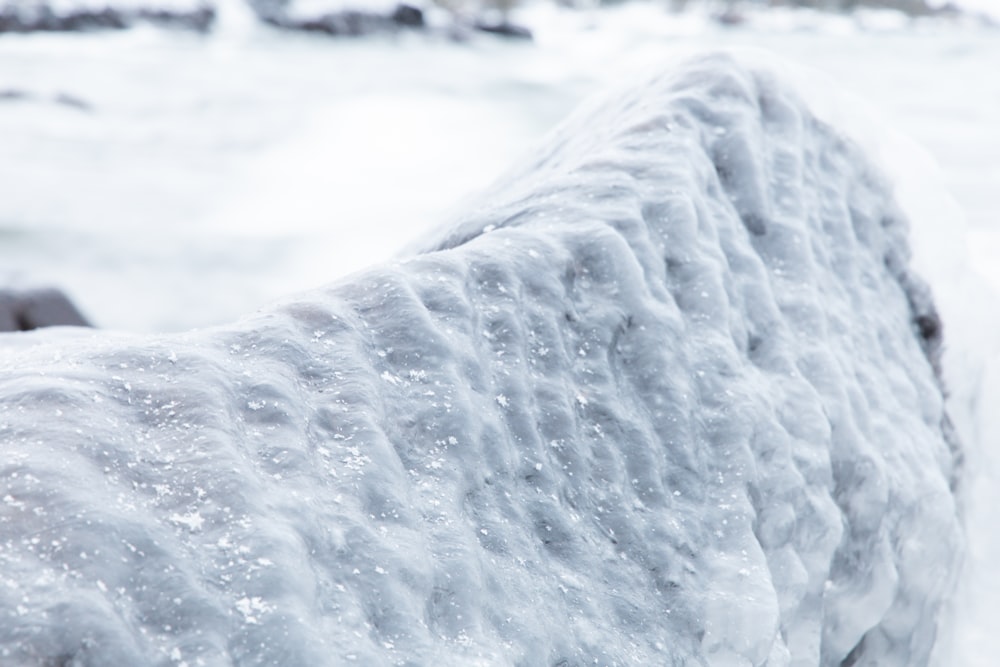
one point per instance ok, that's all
(666, 398)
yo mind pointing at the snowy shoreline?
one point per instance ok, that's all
(193, 193)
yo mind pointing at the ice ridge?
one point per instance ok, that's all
(667, 396)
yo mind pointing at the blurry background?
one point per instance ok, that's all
(177, 163)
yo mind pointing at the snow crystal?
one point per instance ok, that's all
(692, 376)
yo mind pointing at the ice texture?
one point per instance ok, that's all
(665, 396)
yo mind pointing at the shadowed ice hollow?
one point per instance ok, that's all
(667, 395)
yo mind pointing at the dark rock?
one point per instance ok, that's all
(43, 18)
(200, 19)
(408, 16)
(730, 17)
(23, 310)
(349, 23)
(504, 29)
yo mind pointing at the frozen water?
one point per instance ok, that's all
(665, 395)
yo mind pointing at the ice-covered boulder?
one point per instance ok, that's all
(667, 397)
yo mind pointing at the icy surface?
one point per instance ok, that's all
(666, 396)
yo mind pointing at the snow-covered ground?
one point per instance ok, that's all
(171, 181)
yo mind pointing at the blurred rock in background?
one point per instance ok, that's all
(39, 16)
(364, 17)
(26, 309)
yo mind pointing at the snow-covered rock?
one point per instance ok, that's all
(334, 17)
(337, 17)
(667, 396)
(82, 15)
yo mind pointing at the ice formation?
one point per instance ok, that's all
(667, 397)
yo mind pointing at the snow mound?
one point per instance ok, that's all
(667, 397)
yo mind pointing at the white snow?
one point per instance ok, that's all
(751, 466)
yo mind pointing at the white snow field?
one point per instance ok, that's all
(665, 395)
